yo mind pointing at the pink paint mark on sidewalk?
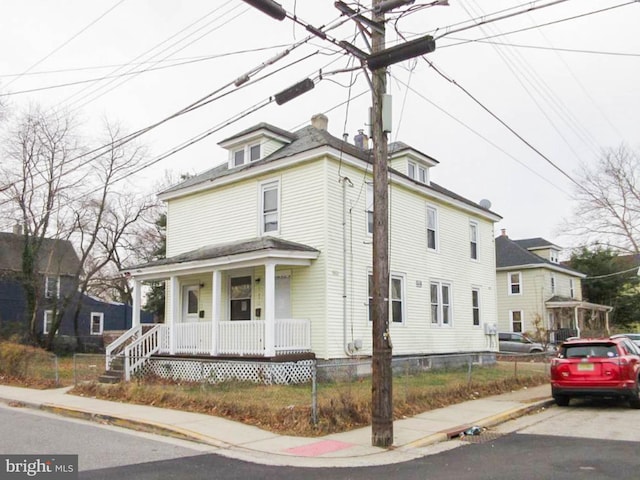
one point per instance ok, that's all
(319, 448)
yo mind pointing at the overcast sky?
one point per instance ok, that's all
(563, 78)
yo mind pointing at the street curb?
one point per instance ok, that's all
(486, 422)
(145, 426)
(122, 422)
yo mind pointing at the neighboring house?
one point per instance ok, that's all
(269, 255)
(537, 293)
(57, 269)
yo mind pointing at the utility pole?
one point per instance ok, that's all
(382, 380)
(377, 62)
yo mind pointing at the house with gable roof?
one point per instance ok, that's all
(536, 292)
(269, 256)
(57, 270)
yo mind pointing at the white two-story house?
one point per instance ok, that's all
(537, 294)
(269, 255)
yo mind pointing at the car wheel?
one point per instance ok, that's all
(634, 401)
(561, 400)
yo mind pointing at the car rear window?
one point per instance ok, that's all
(590, 350)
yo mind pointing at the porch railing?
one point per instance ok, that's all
(138, 352)
(241, 337)
(236, 337)
(117, 347)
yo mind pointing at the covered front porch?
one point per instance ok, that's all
(570, 317)
(225, 300)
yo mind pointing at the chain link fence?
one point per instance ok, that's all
(27, 364)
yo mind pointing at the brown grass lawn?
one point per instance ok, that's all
(286, 409)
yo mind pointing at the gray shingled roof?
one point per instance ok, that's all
(537, 242)
(260, 126)
(231, 248)
(57, 257)
(305, 139)
(509, 253)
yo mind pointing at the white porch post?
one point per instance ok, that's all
(175, 313)
(216, 298)
(576, 319)
(270, 309)
(135, 308)
(606, 321)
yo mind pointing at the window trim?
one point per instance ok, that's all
(439, 284)
(436, 241)
(474, 228)
(251, 298)
(521, 321)
(412, 165)
(265, 186)
(553, 284)
(101, 329)
(46, 326)
(47, 293)
(246, 150)
(572, 288)
(476, 308)
(510, 285)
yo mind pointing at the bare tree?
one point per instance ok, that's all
(38, 171)
(608, 202)
(59, 194)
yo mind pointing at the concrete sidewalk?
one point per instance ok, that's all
(250, 443)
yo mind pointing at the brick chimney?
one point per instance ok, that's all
(361, 140)
(320, 121)
(503, 232)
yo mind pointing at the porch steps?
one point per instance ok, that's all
(115, 374)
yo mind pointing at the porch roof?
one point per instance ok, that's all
(255, 251)
(566, 302)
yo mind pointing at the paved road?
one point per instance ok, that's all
(585, 441)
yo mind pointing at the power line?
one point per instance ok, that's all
(62, 45)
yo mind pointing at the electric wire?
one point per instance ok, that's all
(65, 43)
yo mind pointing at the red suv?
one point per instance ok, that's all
(604, 367)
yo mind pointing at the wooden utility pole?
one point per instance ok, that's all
(382, 382)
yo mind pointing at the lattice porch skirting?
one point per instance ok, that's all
(217, 371)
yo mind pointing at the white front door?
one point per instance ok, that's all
(283, 296)
(190, 303)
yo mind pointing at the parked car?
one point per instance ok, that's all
(518, 343)
(605, 367)
(635, 337)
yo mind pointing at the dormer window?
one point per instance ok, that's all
(254, 152)
(240, 156)
(417, 172)
(553, 256)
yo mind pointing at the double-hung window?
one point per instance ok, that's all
(397, 298)
(515, 283)
(52, 287)
(269, 209)
(572, 291)
(432, 228)
(516, 320)
(369, 207)
(441, 303)
(47, 322)
(475, 306)
(553, 283)
(473, 239)
(238, 157)
(97, 323)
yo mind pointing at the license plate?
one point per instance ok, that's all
(585, 367)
